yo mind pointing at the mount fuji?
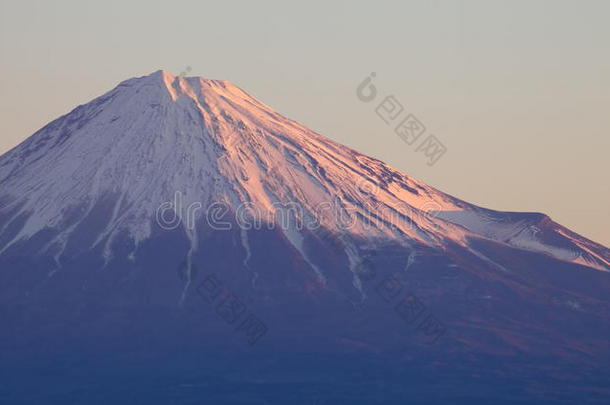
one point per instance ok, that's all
(142, 233)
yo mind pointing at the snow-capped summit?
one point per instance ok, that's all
(119, 217)
(152, 138)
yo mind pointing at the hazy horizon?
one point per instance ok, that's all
(517, 94)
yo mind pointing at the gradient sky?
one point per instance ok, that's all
(518, 91)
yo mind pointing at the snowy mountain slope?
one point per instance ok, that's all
(114, 218)
(531, 231)
(150, 138)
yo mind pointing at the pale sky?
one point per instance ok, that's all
(518, 91)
